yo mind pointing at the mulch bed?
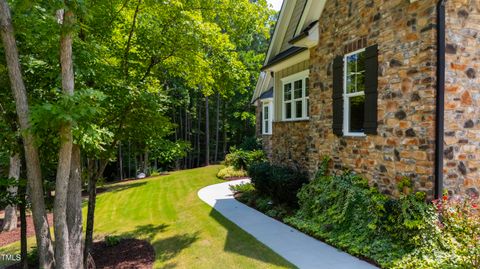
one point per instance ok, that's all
(129, 253)
(235, 178)
(14, 236)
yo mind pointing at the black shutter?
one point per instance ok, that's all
(337, 96)
(371, 93)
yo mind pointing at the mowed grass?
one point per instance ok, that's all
(185, 232)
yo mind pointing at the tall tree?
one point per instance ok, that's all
(42, 231)
(62, 248)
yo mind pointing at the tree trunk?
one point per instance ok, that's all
(34, 174)
(62, 248)
(10, 219)
(146, 164)
(224, 125)
(207, 133)
(23, 227)
(93, 175)
(217, 127)
(120, 160)
(199, 128)
(74, 209)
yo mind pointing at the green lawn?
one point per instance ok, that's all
(184, 231)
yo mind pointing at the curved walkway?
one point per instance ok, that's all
(301, 250)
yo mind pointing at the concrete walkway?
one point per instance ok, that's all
(299, 249)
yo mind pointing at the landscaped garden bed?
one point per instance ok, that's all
(344, 211)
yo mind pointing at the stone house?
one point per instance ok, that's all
(386, 88)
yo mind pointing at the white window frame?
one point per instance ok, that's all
(347, 96)
(304, 75)
(269, 120)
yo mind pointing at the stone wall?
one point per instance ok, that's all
(406, 37)
(290, 144)
(462, 97)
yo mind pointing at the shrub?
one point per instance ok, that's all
(230, 171)
(251, 143)
(242, 159)
(344, 211)
(112, 240)
(242, 188)
(280, 183)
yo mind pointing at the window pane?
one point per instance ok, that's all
(298, 89)
(355, 73)
(357, 110)
(265, 112)
(307, 85)
(288, 111)
(287, 91)
(266, 127)
(299, 109)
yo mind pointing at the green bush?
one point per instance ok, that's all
(242, 188)
(243, 159)
(280, 183)
(396, 233)
(112, 240)
(230, 171)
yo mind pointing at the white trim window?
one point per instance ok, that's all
(295, 99)
(354, 93)
(267, 117)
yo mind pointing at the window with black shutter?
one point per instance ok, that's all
(355, 81)
(337, 95)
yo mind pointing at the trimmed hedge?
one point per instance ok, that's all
(280, 183)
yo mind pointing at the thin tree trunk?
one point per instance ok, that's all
(146, 164)
(74, 210)
(23, 227)
(34, 174)
(62, 248)
(10, 219)
(199, 128)
(129, 160)
(224, 128)
(120, 160)
(207, 133)
(217, 127)
(93, 175)
(129, 42)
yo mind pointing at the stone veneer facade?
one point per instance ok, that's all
(406, 36)
(462, 97)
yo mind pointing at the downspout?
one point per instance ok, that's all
(440, 102)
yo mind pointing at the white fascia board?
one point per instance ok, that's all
(310, 40)
(302, 56)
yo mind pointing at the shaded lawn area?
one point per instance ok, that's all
(185, 232)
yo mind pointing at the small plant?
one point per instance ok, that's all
(112, 240)
(231, 172)
(242, 188)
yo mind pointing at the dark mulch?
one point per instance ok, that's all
(129, 253)
(13, 236)
(235, 178)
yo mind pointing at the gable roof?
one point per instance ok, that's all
(296, 16)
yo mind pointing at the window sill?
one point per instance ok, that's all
(266, 134)
(295, 120)
(354, 135)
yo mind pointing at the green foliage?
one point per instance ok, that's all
(242, 188)
(396, 233)
(230, 172)
(280, 183)
(251, 143)
(243, 159)
(112, 240)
